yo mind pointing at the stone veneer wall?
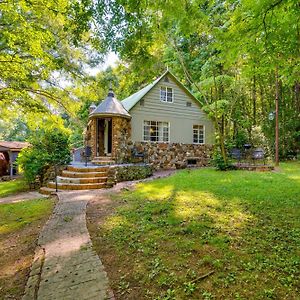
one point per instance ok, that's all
(121, 139)
(128, 172)
(91, 136)
(49, 174)
(174, 155)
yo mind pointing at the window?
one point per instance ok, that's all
(198, 134)
(155, 131)
(166, 94)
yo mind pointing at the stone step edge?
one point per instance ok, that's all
(47, 191)
(103, 163)
(87, 169)
(85, 180)
(81, 178)
(77, 186)
(83, 173)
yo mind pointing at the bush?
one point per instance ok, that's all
(220, 164)
(48, 148)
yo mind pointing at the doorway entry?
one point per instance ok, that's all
(104, 137)
(108, 136)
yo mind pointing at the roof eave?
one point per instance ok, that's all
(104, 115)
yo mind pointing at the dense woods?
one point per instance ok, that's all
(235, 56)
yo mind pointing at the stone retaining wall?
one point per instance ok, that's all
(128, 173)
(49, 174)
(174, 155)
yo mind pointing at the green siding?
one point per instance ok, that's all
(181, 117)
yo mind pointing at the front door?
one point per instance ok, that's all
(108, 136)
(100, 142)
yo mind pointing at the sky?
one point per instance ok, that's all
(110, 61)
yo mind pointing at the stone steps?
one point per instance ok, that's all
(87, 169)
(47, 191)
(71, 174)
(79, 180)
(77, 186)
(104, 163)
(103, 160)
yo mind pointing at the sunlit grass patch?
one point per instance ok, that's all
(242, 228)
(17, 215)
(12, 187)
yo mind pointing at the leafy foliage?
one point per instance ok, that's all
(227, 53)
(48, 148)
(44, 47)
(220, 164)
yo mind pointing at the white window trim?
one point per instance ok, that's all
(169, 129)
(203, 134)
(165, 86)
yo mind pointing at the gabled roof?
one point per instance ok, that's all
(16, 146)
(110, 107)
(132, 100)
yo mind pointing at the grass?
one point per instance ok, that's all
(204, 234)
(20, 225)
(12, 187)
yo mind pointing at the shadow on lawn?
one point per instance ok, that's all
(242, 225)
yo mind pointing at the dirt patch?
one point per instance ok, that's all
(16, 255)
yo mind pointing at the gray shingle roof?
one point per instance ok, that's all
(110, 107)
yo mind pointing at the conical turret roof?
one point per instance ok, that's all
(110, 107)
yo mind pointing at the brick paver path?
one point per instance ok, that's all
(65, 265)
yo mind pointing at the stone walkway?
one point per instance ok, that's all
(21, 197)
(65, 265)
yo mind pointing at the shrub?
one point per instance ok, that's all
(220, 164)
(48, 148)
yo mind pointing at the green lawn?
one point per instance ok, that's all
(241, 229)
(20, 225)
(12, 187)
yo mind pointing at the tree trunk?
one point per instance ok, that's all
(276, 119)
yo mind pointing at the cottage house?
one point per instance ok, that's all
(163, 120)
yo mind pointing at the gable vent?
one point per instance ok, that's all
(166, 79)
(189, 104)
(142, 102)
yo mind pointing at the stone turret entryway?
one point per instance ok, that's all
(108, 132)
(79, 178)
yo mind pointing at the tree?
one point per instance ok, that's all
(212, 43)
(43, 46)
(48, 148)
